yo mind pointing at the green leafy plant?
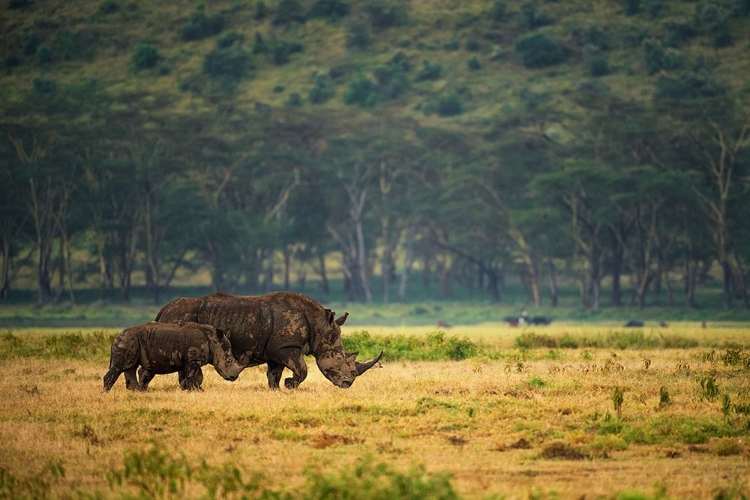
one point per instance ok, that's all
(617, 400)
(709, 389)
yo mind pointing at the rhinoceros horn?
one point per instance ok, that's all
(363, 367)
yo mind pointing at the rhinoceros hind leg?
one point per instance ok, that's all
(131, 381)
(144, 377)
(110, 378)
(274, 374)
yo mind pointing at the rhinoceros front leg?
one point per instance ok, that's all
(192, 377)
(274, 374)
(184, 375)
(292, 358)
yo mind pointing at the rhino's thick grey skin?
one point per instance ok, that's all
(167, 348)
(278, 329)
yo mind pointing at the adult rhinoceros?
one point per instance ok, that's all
(278, 329)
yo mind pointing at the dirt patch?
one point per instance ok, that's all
(325, 440)
(562, 451)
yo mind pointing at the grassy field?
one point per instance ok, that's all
(564, 411)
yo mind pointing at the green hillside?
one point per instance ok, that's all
(604, 142)
(265, 52)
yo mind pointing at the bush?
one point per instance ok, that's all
(294, 99)
(688, 86)
(11, 62)
(499, 11)
(539, 50)
(473, 64)
(44, 54)
(361, 91)
(289, 11)
(109, 7)
(44, 86)
(146, 56)
(358, 36)
(30, 41)
(429, 71)
(228, 39)
(332, 10)
(631, 7)
(449, 105)
(79, 45)
(597, 65)
(231, 64)
(382, 15)
(657, 58)
(593, 36)
(530, 19)
(201, 26)
(321, 91)
(281, 50)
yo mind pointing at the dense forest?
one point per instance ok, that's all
(604, 141)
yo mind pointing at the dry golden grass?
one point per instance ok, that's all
(537, 423)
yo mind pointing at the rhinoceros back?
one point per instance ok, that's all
(250, 322)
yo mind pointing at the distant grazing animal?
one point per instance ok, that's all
(168, 348)
(634, 323)
(444, 324)
(526, 320)
(277, 329)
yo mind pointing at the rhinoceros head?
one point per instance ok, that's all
(337, 365)
(224, 362)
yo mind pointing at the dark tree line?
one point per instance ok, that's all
(96, 190)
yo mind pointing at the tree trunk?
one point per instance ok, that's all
(408, 261)
(554, 292)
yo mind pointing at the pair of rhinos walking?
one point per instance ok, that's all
(233, 332)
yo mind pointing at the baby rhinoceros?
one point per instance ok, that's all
(167, 348)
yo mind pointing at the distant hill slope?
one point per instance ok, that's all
(420, 60)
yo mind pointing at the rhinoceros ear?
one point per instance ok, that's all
(330, 315)
(342, 319)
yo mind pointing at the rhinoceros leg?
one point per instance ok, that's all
(292, 358)
(110, 378)
(274, 374)
(131, 381)
(193, 377)
(183, 376)
(144, 377)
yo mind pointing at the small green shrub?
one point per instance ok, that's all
(429, 71)
(44, 86)
(383, 15)
(473, 64)
(74, 46)
(30, 41)
(230, 64)
(709, 389)
(658, 58)
(289, 11)
(361, 91)
(322, 91)
(688, 86)
(539, 50)
(529, 18)
(596, 66)
(631, 7)
(294, 99)
(109, 7)
(200, 26)
(332, 10)
(358, 36)
(499, 11)
(146, 56)
(449, 104)
(10, 62)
